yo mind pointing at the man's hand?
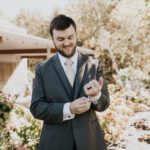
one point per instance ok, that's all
(93, 87)
(80, 105)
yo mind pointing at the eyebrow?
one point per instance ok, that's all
(64, 37)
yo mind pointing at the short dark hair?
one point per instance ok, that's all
(61, 22)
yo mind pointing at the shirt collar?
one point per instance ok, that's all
(74, 58)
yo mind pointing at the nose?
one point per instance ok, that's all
(66, 42)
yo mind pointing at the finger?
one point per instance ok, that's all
(82, 101)
(86, 88)
(101, 81)
(84, 98)
(97, 87)
(81, 98)
(83, 109)
(92, 92)
(96, 83)
(94, 86)
(88, 85)
(80, 111)
(84, 106)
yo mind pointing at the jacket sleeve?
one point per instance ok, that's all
(104, 100)
(41, 108)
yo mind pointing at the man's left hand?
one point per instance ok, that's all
(93, 87)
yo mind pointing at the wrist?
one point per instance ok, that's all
(95, 98)
(71, 108)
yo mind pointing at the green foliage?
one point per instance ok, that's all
(115, 120)
(29, 132)
(17, 126)
(147, 1)
(32, 62)
(5, 107)
(35, 24)
(120, 41)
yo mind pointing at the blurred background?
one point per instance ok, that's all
(116, 31)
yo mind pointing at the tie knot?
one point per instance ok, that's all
(68, 62)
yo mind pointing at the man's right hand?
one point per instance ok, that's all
(80, 105)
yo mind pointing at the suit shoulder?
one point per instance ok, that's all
(88, 53)
(47, 61)
(92, 58)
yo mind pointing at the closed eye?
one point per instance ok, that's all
(70, 37)
(60, 39)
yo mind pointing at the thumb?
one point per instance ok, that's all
(101, 81)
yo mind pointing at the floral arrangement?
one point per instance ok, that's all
(26, 129)
(115, 120)
(6, 105)
(135, 79)
(18, 129)
(136, 85)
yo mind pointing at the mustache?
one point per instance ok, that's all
(67, 46)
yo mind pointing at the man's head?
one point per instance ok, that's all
(63, 32)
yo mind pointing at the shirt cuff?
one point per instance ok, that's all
(67, 115)
(95, 98)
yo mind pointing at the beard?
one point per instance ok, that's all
(63, 53)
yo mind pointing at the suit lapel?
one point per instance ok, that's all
(80, 74)
(61, 74)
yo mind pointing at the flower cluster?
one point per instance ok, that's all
(6, 105)
(136, 87)
(24, 130)
(18, 129)
(115, 120)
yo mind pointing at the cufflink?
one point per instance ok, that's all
(89, 88)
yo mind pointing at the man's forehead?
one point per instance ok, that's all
(67, 32)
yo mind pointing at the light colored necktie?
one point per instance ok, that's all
(69, 71)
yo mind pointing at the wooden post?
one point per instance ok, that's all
(48, 52)
(1, 40)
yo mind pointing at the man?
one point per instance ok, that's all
(67, 90)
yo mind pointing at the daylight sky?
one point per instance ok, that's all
(9, 8)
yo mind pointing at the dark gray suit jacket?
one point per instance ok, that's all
(51, 90)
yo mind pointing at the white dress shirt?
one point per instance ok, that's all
(74, 59)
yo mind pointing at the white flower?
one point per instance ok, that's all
(15, 138)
